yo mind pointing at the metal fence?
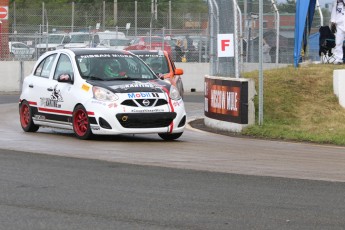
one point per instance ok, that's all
(31, 24)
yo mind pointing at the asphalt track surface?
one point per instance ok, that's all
(203, 180)
(196, 149)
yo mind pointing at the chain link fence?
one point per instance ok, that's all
(29, 25)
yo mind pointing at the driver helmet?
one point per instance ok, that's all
(156, 66)
(112, 68)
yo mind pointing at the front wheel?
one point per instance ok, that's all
(81, 123)
(25, 115)
(169, 136)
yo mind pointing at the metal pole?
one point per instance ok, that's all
(136, 18)
(156, 10)
(163, 32)
(170, 23)
(42, 17)
(217, 22)
(115, 12)
(278, 30)
(241, 37)
(261, 98)
(152, 15)
(237, 75)
(211, 26)
(14, 17)
(72, 26)
(47, 22)
(320, 12)
(103, 18)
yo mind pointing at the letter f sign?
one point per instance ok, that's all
(226, 46)
(225, 43)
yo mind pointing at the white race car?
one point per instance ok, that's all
(99, 91)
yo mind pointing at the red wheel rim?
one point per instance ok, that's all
(25, 115)
(81, 122)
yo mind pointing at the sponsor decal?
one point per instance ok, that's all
(56, 95)
(176, 103)
(225, 101)
(112, 105)
(40, 117)
(136, 84)
(85, 87)
(54, 100)
(147, 110)
(98, 102)
(105, 55)
(150, 55)
(95, 128)
(142, 95)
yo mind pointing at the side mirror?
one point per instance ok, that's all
(65, 78)
(178, 71)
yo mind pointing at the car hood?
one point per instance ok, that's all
(130, 86)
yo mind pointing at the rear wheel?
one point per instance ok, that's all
(169, 136)
(81, 123)
(25, 115)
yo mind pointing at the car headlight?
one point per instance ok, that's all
(167, 80)
(103, 94)
(174, 94)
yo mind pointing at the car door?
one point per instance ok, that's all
(38, 84)
(63, 92)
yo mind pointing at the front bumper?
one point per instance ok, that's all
(113, 118)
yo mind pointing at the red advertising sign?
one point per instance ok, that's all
(226, 100)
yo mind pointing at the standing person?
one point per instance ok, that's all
(338, 26)
(178, 51)
(188, 47)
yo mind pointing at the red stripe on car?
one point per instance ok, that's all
(55, 111)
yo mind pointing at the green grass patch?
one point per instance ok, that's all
(299, 105)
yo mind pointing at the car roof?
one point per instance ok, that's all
(84, 51)
(148, 52)
(16, 43)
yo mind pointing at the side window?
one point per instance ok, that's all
(44, 68)
(64, 66)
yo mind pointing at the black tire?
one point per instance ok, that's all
(81, 123)
(25, 117)
(170, 136)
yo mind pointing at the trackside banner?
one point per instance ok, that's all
(226, 100)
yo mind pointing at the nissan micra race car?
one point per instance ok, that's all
(99, 92)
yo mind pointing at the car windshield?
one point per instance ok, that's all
(158, 63)
(79, 38)
(111, 66)
(53, 39)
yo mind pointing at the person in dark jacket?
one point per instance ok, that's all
(178, 51)
(188, 48)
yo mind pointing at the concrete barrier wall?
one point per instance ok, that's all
(193, 77)
(11, 74)
(339, 85)
(194, 73)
